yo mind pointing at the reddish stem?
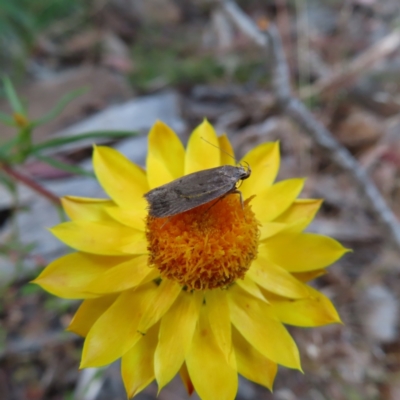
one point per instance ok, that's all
(31, 183)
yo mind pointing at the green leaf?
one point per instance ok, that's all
(71, 139)
(13, 245)
(30, 288)
(12, 97)
(7, 120)
(3, 156)
(59, 107)
(7, 182)
(24, 143)
(64, 167)
(5, 149)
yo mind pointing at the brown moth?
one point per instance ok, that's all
(195, 189)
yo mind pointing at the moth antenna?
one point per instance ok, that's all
(219, 148)
(248, 166)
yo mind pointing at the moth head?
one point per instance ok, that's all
(245, 170)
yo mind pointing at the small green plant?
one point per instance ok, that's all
(18, 149)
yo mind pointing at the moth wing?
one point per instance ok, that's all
(207, 181)
(169, 205)
(191, 191)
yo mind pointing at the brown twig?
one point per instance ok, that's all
(290, 105)
(18, 176)
(244, 22)
(342, 75)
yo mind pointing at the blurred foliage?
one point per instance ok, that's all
(160, 57)
(163, 58)
(22, 19)
(157, 67)
(21, 146)
(59, 306)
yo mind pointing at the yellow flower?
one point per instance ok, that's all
(205, 293)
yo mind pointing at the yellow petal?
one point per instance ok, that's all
(68, 276)
(251, 287)
(212, 375)
(217, 309)
(176, 333)
(123, 276)
(251, 363)
(227, 153)
(82, 208)
(166, 156)
(316, 310)
(276, 279)
(137, 366)
(301, 209)
(97, 237)
(202, 149)
(302, 252)
(163, 298)
(135, 247)
(309, 275)
(115, 332)
(270, 229)
(256, 321)
(124, 182)
(134, 217)
(152, 276)
(187, 382)
(88, 313)
(264, 163)
(270, 203)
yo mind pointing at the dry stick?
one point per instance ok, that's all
(297, 110)
(342, 76)
(244, 22)
(30, 183)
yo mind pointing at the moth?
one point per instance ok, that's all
(195, 189)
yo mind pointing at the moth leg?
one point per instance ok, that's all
(236, 191)
(233, 191)
(223, 196)
(213, 204)
(167, 221)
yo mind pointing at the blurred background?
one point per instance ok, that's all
(181, 61)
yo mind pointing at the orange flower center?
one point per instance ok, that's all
(205, 248)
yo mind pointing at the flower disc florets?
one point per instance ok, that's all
(205, 248)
